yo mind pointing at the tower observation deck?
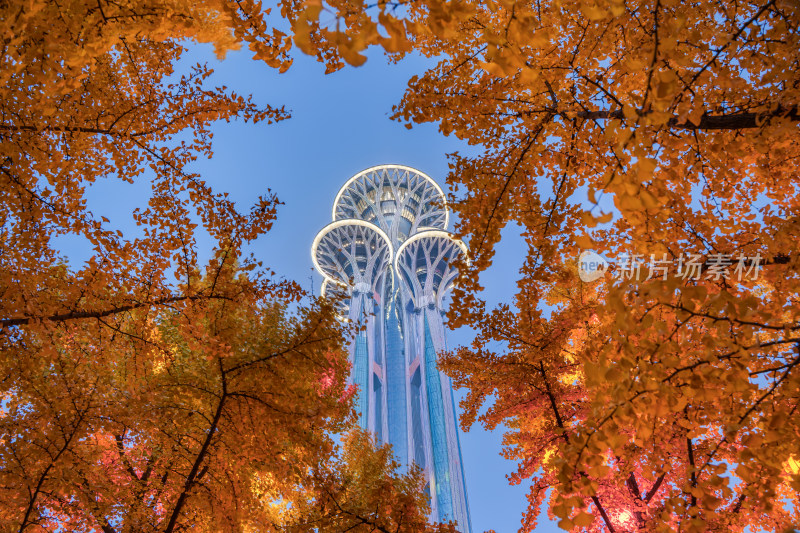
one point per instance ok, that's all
(387, 257)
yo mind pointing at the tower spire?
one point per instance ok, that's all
(389, 260)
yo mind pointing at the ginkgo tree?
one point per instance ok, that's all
(219, 416)
(87, 95)
(145, 390)
(664, 136)
(89, 92)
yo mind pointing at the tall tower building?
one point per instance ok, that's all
(387, 255)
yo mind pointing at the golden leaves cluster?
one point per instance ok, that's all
(655, 128)
(145, 389)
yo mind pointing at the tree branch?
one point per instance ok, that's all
(731, 121)
(655, 488)
(194, 473)
(26, 519)
(76, 315)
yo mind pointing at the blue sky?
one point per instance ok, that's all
(340, 125)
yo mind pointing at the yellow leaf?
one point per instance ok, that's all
(583, 241)
(583, 519)
(792, 466)
(593, 12)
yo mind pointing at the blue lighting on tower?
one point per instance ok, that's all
(388, 257)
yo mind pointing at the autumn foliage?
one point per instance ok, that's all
(658, 129)
(198, 416)
(145, 389)
(654, 128)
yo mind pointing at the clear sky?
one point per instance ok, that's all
(340, 125)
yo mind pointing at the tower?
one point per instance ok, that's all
(388, 256)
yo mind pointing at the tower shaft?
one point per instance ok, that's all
(390, 262)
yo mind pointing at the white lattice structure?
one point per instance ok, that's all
(387, 260)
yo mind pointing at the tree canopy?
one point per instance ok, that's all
(145, 389)
(217, 415)
(665, 132)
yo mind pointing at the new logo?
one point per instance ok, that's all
(591, 266)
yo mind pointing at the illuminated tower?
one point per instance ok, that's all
(387, 255)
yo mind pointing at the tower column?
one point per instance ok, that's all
(388, 263)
